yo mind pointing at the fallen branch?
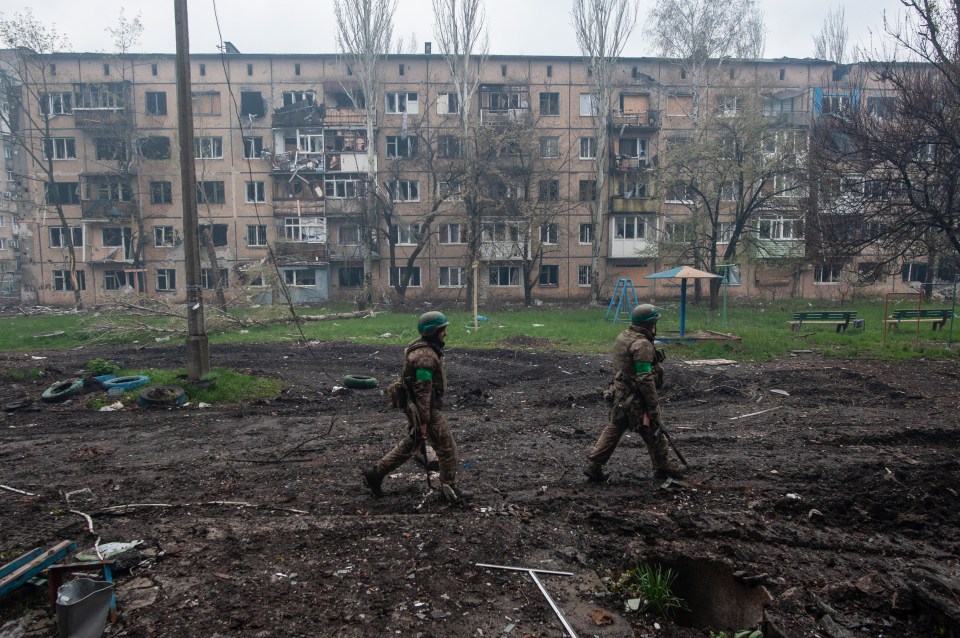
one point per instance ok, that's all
(338, 315)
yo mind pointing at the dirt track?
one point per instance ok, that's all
(826, 509)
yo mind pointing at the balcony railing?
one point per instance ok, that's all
(290, 252)
(297, 207)
(106, 210)
(634, 205)
(643, 119)
(97, 118)
(508, 116)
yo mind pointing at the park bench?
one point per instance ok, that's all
(840, 318)
(937, 317)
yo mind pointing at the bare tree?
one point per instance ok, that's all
(28, 87)
(460, 29)
(832, 41)
(602, 28)
(703, 34)
(887, 166)
(364, 36)
(735, 167)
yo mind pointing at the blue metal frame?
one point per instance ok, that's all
(628, 291)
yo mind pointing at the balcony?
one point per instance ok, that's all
(289, 252)
(634, 205)
(789, 118)
(109, 255)
(502, 251)
(346, 117)
(507, 116)
(97, 118)
(621, 164)
(298, 115)
(779, 249)
(107, 210)
(638, 120)
(298, 207)
(345, 207)
(340, 162)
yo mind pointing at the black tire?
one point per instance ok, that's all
(359, 382)
(61, 391)
(162, 396)
(123, 384)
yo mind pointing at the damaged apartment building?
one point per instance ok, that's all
(285, 161)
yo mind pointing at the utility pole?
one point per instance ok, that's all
(198, 348)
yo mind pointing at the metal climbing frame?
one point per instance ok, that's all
(623, 291)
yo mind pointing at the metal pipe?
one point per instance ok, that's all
(543, 590)
(553, 605)
(526, 569)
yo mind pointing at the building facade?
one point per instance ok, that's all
(296, 193)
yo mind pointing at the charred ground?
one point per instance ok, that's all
(826, 508)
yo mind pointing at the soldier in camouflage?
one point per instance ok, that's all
(634, 398)
(423, 383)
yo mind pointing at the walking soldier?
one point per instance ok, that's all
(420, 394)
(634, 398)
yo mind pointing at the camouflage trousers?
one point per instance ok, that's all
(618, 423)
(440, 439)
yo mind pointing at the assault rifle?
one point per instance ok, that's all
(419, 429)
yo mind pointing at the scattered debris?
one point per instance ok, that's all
(781, 392)
(743, 416)
(710, 362)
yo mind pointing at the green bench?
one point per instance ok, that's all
(937, 317)
(840, 318)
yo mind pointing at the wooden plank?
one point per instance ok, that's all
(18, 562)
(34, 566)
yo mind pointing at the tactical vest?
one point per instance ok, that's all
(622, 358)
(410, 373)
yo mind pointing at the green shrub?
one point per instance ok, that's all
(101, 367)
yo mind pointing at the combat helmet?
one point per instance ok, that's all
(430, 322)
(644, 313)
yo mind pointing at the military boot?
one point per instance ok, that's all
(594, 473)
(374, 480)
(454, 494)
(663, 466)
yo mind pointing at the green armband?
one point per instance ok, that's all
(643, 367)
(425, 375)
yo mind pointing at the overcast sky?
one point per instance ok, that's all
(529, 27)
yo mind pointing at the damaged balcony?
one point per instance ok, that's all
(291, 252)
(627, 121)
(302, 114)
(107, 210)
(98, 118)
(504, 104)
(622, 204)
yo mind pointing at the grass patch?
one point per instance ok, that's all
(222, 386)
(653, 585)
(763, 330)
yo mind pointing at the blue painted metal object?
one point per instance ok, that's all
(623, 291)
(20, 570)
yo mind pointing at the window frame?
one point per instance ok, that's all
(164, 237)
(212, 144)
(397, 272)
(445, 277)
(399, 102)
(166, 280)
(153, 105)
(550, 272)
(258, 194)
(258, 233)
(550, 99)
(64, 148)
(591, 148)
(161, 192)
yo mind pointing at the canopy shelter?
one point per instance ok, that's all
(683, 273)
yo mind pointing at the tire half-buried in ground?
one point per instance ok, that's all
(359, 381)
(162, 396)
(61, 391)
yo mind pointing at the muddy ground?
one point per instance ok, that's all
(823, 499)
